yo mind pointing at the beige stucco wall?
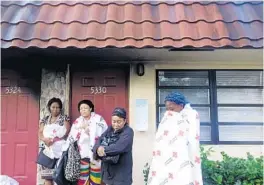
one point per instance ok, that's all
(144, 87)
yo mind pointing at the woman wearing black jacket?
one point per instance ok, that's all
(114, 148)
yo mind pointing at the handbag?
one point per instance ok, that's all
(72, 168)
(45, 160)
(58, 175)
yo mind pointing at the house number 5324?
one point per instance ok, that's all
(12, 90)
(98, 90)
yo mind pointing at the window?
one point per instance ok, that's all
(230, 103)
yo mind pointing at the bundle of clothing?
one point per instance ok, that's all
(109, 139)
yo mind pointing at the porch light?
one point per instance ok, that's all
(140, 69)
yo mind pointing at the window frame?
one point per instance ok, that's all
(213, 104)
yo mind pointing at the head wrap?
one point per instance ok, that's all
(177, 98)
(120, 112)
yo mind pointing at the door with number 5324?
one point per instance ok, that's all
(106, 88)
(19, 124)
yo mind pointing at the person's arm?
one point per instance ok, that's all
(122, 144)
(47, 141)
(67, 125)
(194, 145)
(68, 129)
(97, 145)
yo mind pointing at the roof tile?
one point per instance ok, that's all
(134, 24)
(94, 30)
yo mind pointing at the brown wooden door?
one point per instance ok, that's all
(106, 88)
(19, 127)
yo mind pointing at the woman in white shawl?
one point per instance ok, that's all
(87, 129)
(176, 156)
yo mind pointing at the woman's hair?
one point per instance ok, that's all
(54, 100)
(87, 102)
(177, 98)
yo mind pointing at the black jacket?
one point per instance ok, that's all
(120, 173)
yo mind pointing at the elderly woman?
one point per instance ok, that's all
(114, 148)
(86, 130)
(53, 131)
(176, 156)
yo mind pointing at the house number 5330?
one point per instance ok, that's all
(98, 90)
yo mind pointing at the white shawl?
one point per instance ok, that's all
(176, 155)
(87, 139)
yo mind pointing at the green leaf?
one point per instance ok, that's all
(228, 171)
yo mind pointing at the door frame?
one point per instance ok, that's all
(80, 67)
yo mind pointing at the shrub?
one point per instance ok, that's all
(228, 171)
(146, 172)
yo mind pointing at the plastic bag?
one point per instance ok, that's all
(5, 180)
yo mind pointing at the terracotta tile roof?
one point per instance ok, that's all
(131, 24)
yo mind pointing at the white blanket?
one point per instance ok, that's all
(176, 155)
(5, 180)
(52, 131)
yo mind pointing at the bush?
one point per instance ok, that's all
(146, 172)
(229, 171)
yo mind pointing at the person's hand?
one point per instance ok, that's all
(56, 139)
(100, 151)
(87, 131)
(48, 141)
(83, 126)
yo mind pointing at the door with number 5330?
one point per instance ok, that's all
(106, 88)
